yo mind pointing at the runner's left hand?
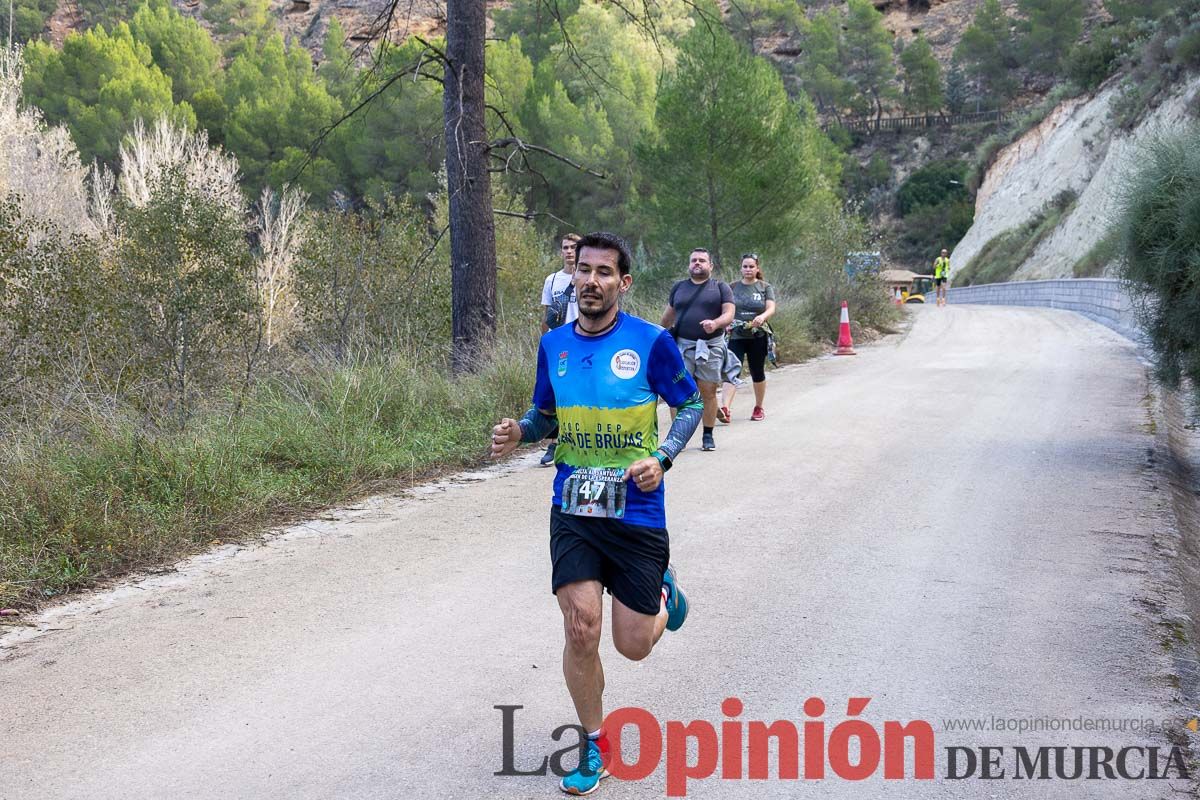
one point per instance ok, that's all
(646, 474)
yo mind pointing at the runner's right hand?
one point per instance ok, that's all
(506, 437)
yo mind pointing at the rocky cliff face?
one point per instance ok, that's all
(1077, 148)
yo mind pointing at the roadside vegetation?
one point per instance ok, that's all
(1159, 242)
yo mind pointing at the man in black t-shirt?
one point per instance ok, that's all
(698, 311)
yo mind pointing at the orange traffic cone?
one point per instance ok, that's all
(899, 298)
(845, 342)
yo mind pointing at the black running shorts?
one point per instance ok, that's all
(938, 281)
(628, 559)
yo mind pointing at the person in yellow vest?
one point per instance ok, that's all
(941, 274)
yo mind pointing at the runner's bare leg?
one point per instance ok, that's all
(583, 616)
(635, 634)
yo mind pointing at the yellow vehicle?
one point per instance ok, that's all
(921, 286)
(912, 287)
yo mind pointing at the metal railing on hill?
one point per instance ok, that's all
(874, 125)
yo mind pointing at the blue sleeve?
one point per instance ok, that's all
(668, 377)
(543, 392)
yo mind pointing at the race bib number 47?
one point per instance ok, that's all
(595, 492)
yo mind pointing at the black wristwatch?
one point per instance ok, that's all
(663, 459)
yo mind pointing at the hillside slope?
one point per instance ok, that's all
(1079, 149)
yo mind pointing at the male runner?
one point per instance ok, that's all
(560, 307)
(698, 312)
(941, 274)
(599, 380)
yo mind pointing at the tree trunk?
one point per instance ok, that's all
(472, 229)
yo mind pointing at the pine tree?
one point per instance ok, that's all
(183, 50)
(821, 67)
(1050, 28)
(958, 92)
(922, 77)
(867, 54)
(987, 52)
(733, 158)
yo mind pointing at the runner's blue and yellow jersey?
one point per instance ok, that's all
(604, 391)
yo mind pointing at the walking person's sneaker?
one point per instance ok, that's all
(548, 456)
(586, 778)
(677, 602)
(757, 414)
(723, 414)
(708, 442)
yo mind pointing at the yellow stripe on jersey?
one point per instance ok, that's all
(606, 437)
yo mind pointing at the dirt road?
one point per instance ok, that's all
(959, 523)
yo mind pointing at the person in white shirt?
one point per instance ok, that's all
(560, 307)
(559, 304)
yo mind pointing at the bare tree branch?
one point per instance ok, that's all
(529, 216)
(513, 141)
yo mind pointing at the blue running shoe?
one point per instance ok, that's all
(586, 779)
(677, 602)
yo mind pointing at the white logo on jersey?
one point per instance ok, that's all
(625, 364)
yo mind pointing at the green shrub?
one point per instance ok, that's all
(1160, 250)
(860, 181)
(186, 292)
(1089, 64)
(367, 279)
(932, 185)
(1164, 43)
(793, 333)
(52, 292)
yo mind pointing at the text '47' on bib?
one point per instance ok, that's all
(595, 492)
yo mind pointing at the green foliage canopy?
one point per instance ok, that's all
(98, 85)
(179, 47)
(1050, 28)
(936, 211)
(276, 108)
(733, 158)
(394, 145)
(820, 66)
(867, 56)
(922, 77)
(987, 52)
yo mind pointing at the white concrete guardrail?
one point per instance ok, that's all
(1104, 300)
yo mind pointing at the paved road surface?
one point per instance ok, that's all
(958, 522)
